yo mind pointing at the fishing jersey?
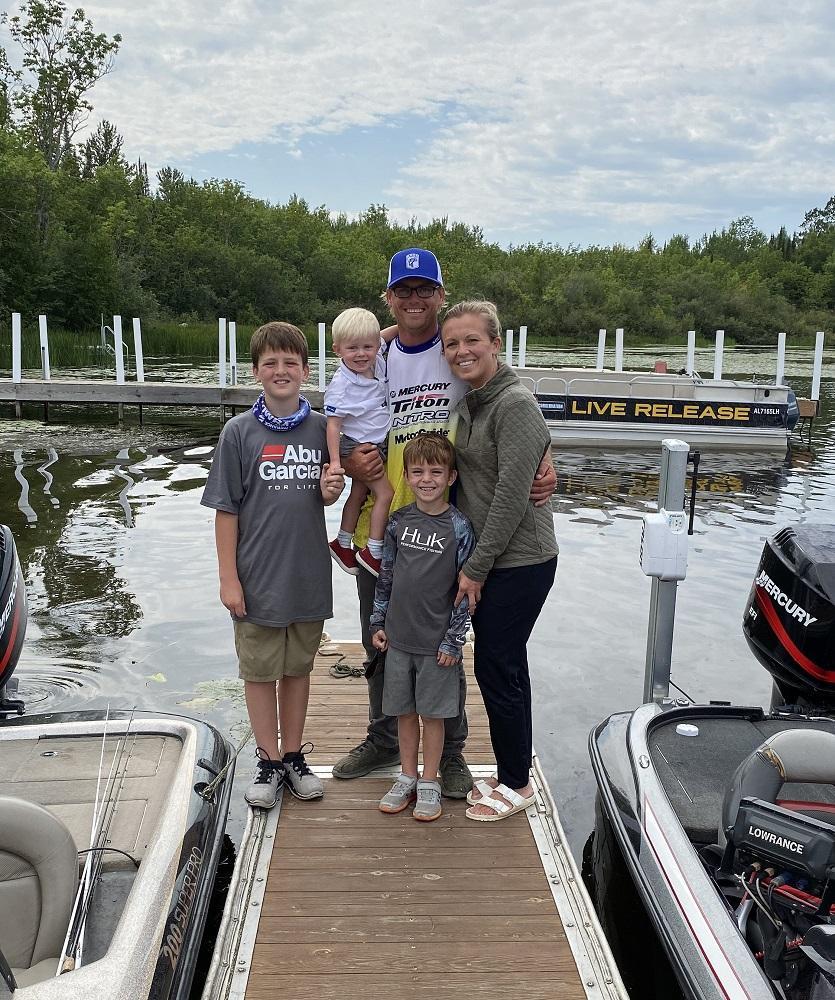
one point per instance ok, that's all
(423, 394)
(271, 480)
(422, 556)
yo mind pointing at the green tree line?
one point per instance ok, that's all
(83, 233)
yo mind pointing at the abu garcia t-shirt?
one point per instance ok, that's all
(271, 480)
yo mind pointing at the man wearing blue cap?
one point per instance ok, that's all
(423, 394)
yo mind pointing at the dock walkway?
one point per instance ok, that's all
(338, 901)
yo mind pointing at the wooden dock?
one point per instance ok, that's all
(345, 902)
(89, 392)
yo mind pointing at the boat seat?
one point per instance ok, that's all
(38, 881)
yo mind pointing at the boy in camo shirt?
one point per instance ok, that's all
(425, 546)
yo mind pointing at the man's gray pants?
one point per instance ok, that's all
(382, 729)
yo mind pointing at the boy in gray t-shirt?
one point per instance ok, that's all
(414, 620)
(269, 485)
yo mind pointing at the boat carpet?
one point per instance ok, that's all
(695, 770)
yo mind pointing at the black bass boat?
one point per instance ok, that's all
(111, 829)
(713, 857)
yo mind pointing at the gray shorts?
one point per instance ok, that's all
(347, 445)
(417, 683)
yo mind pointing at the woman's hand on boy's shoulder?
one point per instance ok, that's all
(333, 482)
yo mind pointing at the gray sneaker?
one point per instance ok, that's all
(269, 776)
(301, 781)
(428, 805)
(363, 759)
(400, 795)
(456, 779)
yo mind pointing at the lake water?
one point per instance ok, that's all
(120, 568)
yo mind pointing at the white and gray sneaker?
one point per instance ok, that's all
(269, 777)
(301, 781)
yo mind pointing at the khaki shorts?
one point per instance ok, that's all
(268, 654)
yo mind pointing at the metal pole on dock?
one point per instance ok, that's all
(601, 349)
(690, 366)
(233, 352)
(717, 354)
(818, 365)
(523, 345)
(321, 357)
(619, 349)
(508, 348)
(45, 370)
(139, 357)
(118, 347)
(781, 359)
(17, 375)
(662, 601)
(221, 352)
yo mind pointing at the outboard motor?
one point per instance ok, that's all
(789, 623)
(12, 618)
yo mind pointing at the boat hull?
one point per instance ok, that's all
(156, 942)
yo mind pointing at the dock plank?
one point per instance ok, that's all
(359, 904)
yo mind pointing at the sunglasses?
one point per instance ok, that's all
(422, 291)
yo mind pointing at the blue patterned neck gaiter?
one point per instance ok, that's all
(263, 415)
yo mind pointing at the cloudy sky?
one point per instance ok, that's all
(569, 121)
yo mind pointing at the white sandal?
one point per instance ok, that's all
(485, 790)
(501, 810)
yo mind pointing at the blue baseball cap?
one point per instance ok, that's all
(414, 263)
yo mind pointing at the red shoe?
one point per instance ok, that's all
(369, 562)
(344, 557)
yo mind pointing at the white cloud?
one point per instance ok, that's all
(612, 116)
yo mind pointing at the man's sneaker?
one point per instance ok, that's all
(344, 557)
(269, 776)
(301, 781)
(401, 793)
(456, 779)
(428, 805)
(370, 562)
(364, 759)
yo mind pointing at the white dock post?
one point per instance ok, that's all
(601, 349)
(16, 360)
(619, 349)
(321, 357)
(137, 350)
(44, 340)
(16, 350)
(118, 347)
(508, 348)
(523, 345)
(717, 354)
(781, 358)
(691, 351)
(233, 352)
(818, 365)
(221, 353)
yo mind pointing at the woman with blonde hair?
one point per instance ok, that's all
(500, 438)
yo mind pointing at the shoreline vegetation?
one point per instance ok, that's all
(83, 231)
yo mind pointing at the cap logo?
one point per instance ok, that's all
(412, 261)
